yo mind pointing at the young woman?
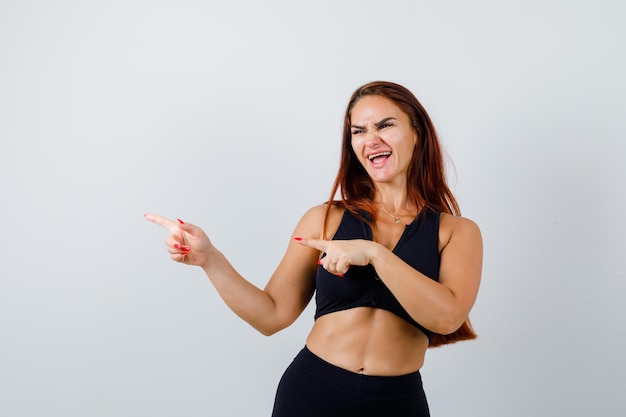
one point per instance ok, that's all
(393, 266)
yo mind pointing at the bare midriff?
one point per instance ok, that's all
(368, 341)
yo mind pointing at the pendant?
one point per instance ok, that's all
(397, 219)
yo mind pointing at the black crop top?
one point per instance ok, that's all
(360, 286)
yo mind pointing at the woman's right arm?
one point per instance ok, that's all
(286, 294)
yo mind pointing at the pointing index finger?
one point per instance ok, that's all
(162, 221)
(318, 244)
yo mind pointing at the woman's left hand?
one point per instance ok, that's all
(341, 254)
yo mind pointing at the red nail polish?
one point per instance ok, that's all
(176, 245)
(180, 221)
(186, 248)
(297, 238)
(319, 262)
(340, 275)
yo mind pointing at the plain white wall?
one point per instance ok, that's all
(228, 115)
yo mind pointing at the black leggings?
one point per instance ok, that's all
(312, 387)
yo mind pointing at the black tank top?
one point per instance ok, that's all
(360, 286)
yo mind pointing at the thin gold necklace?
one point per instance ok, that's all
(396, 218)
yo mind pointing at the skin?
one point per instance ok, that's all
(363, 340)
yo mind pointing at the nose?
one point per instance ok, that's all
(372, 138)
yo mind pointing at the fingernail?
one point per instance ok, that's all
(319, 262)
(180, 221)
(176, 245)
(340, 275)
(186, 248)
(297, 238)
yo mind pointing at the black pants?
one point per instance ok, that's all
(312, 387)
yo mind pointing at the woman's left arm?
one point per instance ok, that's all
(440, 306)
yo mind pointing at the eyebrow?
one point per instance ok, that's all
(378, 124)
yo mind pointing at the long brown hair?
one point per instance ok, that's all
(426, 179)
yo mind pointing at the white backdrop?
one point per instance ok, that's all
(228, 115)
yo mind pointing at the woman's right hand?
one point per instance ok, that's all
(186, 243)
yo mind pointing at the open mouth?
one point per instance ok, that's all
(379, 158)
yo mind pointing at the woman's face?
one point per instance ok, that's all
(382, 138)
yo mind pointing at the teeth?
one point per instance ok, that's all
(379, 154)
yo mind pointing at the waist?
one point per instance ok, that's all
(368, 341)
(368, 386)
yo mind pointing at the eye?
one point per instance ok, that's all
(357, 131)
(385, 125)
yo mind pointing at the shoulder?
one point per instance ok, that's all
(449, 221)
(314, 218)
(457, 228)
